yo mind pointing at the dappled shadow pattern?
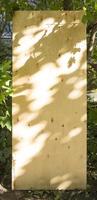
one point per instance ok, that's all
(49, 101)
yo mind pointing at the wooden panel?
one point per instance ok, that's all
(49, 100)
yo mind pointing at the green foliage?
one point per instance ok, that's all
(92, 113)
(50, 5)
(94, 55)
(78, 5)
(92, 78)
(90, 8)
(5, 156)
(5, 91)
(5, 144)
(9, 6)
(5, 111)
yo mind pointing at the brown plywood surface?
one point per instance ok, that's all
(49, 100)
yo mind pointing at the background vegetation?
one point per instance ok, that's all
(7, 8)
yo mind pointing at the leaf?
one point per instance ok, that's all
(95, 5)
(8, 125)
(2, 98)
(84, 8)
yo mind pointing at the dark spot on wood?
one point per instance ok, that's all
(62, 125)
(52, 119)
(15, 71)
(37, 64)
(59, 55)
(56, 138)
(75, 112)
(67, 39)
(48, 155)
(17, 119)
(29, 124)
(68, 147)
(62, 79)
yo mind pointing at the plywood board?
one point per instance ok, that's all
(49, 100)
